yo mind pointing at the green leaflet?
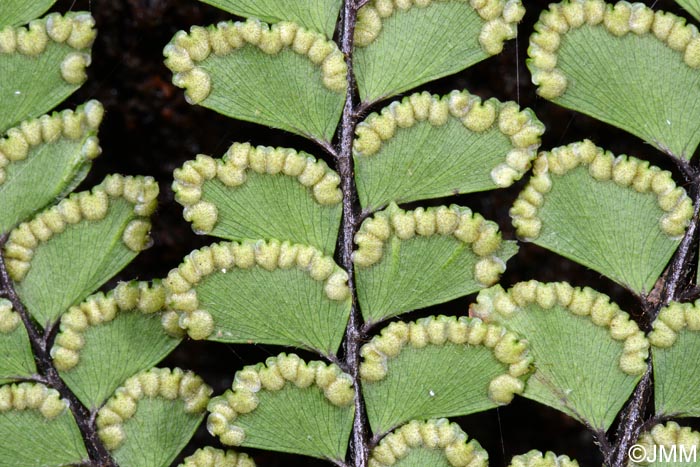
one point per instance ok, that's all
(616, 215)
(437, 254)
(437, 443)
(151, 418)
(110, 222)
(440, 366)
(419, 457)
(262, 192)
(283, 76)
(588, 354)
(427, 147)
(667, 445)
(625, 65)
(691, 6)
(108, 338)
(264, 292)
(203, 457)
(54, 51)
(42, 159)
(318, 15)
(17, 358)
(399, 48)
(535, 458)
(17, 12)
(676, 349)
(286, 405)
(31, 412)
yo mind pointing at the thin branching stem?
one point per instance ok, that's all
(41, 344)
(326, 146)
(632, 421)
(359, 444)
(362, 108)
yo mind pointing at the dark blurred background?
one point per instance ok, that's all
(149, 129)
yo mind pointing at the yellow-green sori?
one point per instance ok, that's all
(100, 309)
(605, 167)
(584, 302)
(154, 383)
(673, 319)
(272, 255)
(522, 127)
(231, 171)
(75, 30)
(32, 396)
(621, 19)
(535, 458)
(186, 50)
(211, 457)
(141, 192)
(9, 318)
(501, 19)
(243, 397)
(506, 346)
(18, 142)
(434, 435)
(481, 235)
(674, 340)
(684, 440)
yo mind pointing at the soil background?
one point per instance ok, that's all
(149, 129)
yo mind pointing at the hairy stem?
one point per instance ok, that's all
(632, 421)
(41, 345)
(359, 444)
